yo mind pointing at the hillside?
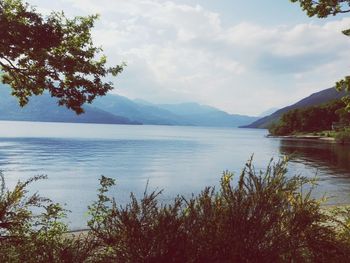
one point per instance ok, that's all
(44, 108)
(312, 100)
(203, 115)
(114, 109)
(145, 113)
(312, 119)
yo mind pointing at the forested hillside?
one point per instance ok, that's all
(311, 119)
(317, 98)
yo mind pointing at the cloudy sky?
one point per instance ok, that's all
(240, 56)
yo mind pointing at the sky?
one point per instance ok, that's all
(243, 57)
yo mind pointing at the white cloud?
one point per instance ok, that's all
(179, 52)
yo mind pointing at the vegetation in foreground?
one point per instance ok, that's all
(264, 217)
(51, 54)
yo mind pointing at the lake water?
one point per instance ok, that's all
(180, 160)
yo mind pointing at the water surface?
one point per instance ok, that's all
(180, 160)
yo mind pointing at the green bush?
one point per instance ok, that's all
(264, 217)
(41, 237)
(343, 136)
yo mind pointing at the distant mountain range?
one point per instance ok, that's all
(114, 109)
(192, 114)
(44, 108)
(312, 100)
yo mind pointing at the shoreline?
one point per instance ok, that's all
(306, 137)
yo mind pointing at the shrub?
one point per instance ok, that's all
(343, 136)
(29, 237)
(142, 231)
(266, 217)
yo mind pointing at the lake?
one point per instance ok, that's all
(180, 160)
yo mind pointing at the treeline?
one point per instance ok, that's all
(311, 119)
(264, 217)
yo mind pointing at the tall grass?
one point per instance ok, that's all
(264, 217)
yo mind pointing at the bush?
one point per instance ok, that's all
(264, 217)
(29, 237)
(343, 136)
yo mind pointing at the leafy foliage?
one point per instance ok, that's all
(15, 213)
(324, 8)
(53, 54)
(29, 237)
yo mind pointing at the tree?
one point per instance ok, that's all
(51, 54)
(323, 9)
(311, 119)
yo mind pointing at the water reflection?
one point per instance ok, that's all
(181, 160)
(327, 157)
(329, 162)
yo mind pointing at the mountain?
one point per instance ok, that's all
(143, 112)
(44, 108)
(267, 112)
(189, 108)
(114, 109)
(314, 99)
(192, 114)
(203, 115)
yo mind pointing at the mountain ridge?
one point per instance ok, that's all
(44, 108)
(115, 109)
(183, 114)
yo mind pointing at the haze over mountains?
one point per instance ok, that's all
(44, 108)
(114, 109)
(170, 114)
(312, 100)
